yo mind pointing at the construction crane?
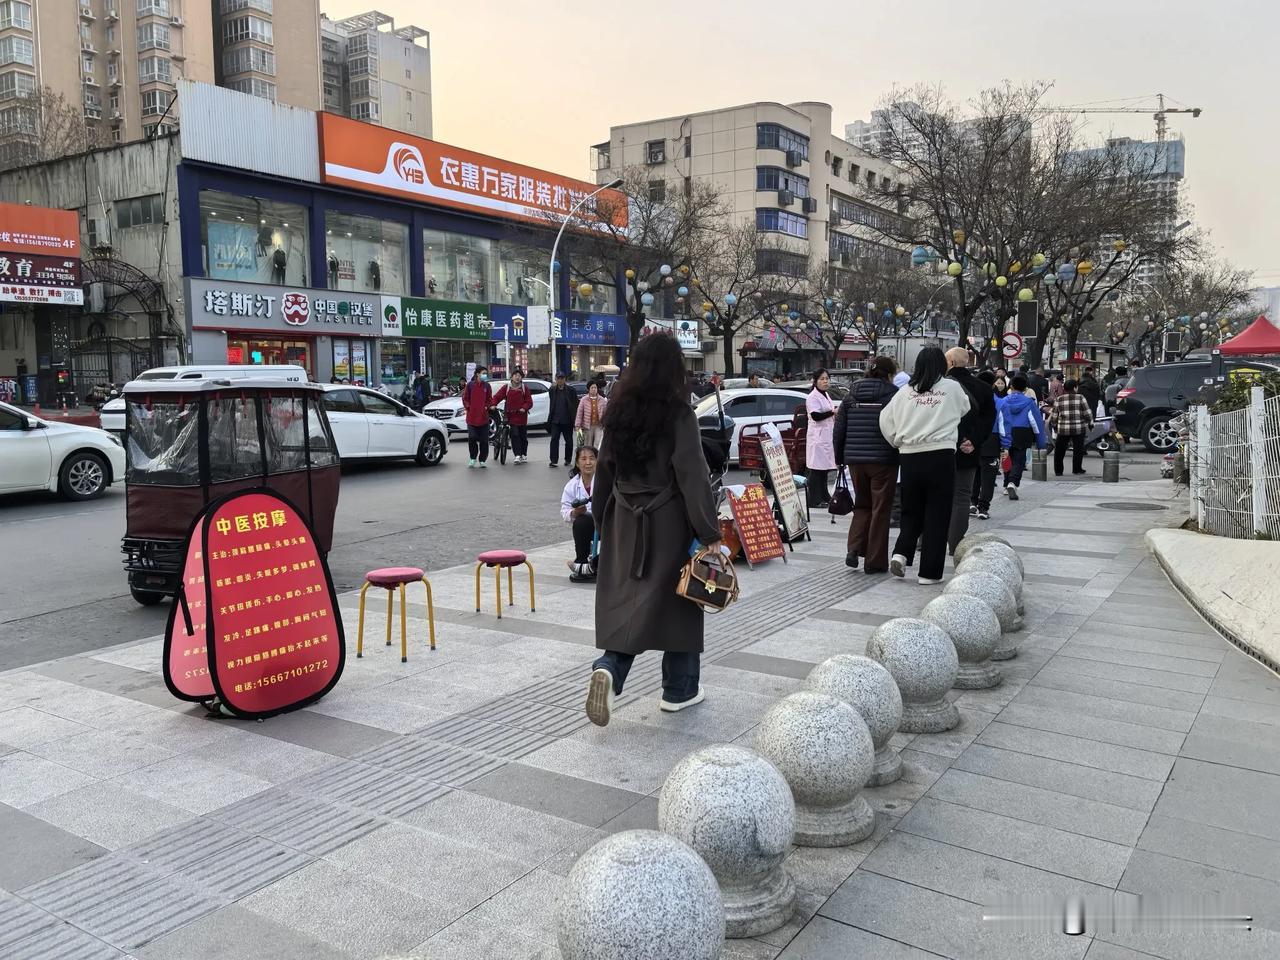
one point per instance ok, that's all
(1160, 112)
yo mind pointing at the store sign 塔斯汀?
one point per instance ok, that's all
(218, 305)
(436, 319)
(369, 157)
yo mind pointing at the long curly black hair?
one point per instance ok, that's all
(644, 403)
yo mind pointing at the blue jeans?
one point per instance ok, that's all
(680, 673)
(558, 430)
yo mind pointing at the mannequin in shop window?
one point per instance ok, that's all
(279, 262)
(333, 270)
(375, 275)
(431, 284)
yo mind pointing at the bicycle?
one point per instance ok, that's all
(501, 437)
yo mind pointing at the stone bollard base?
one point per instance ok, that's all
(935, 717)
(978, 676)
(759, 908)
(1006, 649)
(887, 767)
(835, 826)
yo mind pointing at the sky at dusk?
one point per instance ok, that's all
(540, 83)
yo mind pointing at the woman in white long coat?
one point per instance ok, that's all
(819, 449)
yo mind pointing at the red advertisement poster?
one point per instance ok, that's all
(756, 526)
(271, 638)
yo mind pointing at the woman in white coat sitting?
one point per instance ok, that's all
(575, 508)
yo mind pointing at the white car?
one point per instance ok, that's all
(369, 425)
(748, 406)
(449, 409)
(36, 454)
(112, 412)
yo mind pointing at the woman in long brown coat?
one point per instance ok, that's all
(651, 500)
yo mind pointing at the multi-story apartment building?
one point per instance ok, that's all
(269, 48)
(377, 72)
(119, 60)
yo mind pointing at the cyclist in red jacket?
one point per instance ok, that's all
(519, 401)
(477, 398)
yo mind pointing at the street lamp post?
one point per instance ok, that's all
(551, 270)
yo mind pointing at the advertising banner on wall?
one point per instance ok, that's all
(232, 251)
(297, 311)
(256, 622)
(369, 157)
(436, 319)
(39, 255)
(40, 230)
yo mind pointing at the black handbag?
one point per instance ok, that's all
(841, 503)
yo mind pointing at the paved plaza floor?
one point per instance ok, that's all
(432, 809)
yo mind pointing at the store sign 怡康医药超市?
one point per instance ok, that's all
(369, 157)
(39, 255)
(222, 305)
(436, 319)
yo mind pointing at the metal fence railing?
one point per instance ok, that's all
(1234, 463)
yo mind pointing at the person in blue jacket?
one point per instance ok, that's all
(1023, 427)
(984, 481)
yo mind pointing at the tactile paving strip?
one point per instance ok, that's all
(413, 756)
(371, 788)
(299, 823)
(498, 739)
(64, 943)
(19, 920)
(527, 715)
(120, 901)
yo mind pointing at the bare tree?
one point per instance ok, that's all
(45, 125)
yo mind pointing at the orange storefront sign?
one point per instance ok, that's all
(25, 229)
(368, 157)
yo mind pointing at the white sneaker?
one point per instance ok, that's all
(1012, 491)
(600, 696)
(928, 582)
(471, 464)
(898, 565)
(669, 707)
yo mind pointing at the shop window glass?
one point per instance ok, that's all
(456, 266)
(522, 275)
(234, 449)
(395, 362)
(247, 238)
(365, 254)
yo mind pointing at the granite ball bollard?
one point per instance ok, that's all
(999, 549)
(923, 662)
(823, 748)
(974, 628)
(972, 540)
(735, 810)
(871, 690)
(640, 895)
(992, 591)
(984, 561)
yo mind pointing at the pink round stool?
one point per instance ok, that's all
(498, 559)
(391, 578)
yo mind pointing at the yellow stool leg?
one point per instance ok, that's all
(532, 607)
(360, 630)
(391, 596)
(404, 641)
(497, 579)
(431, 613)
(479, 567)
(511, 594)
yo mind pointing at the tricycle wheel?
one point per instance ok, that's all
(146, 597)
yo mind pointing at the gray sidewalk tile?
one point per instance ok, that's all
(546, 791)
(725, 714)
(102, 753)
(944, 925)
(26, 779)
(109, 814)
(343, 738)
(952, 743)
(542, 718)
(1222, 796)
(1236, 743)
(93, 674)
(825, 939)
(1071, 779)
(1101, 950)
(64, 943)
(225, 934)
(722, 676)
(20, 920)
(349, 910)
(424, 690)
(470, 938)
(424, 759)
(372, 789)
(1127, 615)
(495, 739)
(275, 761)
(1079, 724)
(1106, 708)
(1210, 650)
(25, 727)
(1046, 848)
(456, 875)
(1264, 687)
(1225, 849)
(643, 815)
(1163, 679)
(1077, 750)
(1089, 818)
(35, 849)
(920, 771)
(821, 870)
(498, 827)
(1167, 664)
(1198, 945)
(190, 784)
(1239, 710)
(1056, 678)
(369, 708)
(180, 731)
(521, 907)
(851, 616)
(301, 823)
(761, 663)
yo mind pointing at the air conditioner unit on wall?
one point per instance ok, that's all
(809, 205)
(793, 158)
(786, 198)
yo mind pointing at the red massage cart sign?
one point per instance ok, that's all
(257, 625)
(756, 527)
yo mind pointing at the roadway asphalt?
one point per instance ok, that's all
(63, 590)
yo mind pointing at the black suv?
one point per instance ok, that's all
(1155, 395)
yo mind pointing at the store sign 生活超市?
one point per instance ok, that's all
(434, 319)
(39, 255)
(255, 307)
(369, 157)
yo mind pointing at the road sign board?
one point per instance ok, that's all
(1010, 346)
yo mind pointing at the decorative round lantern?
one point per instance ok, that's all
(585, 289)
(1084, 267)
(1025, 295)
(665, 269)
(1002, 281)
(794, 315)
(631, 274)
(919, 256)
(900, 310)
(684, 269)
(871, 307)
(859, 319)
(1066, 272)
(954, 269)
(642, 286)
(1037, 260)
(555, 266)
(828, 303)
(959, 237)
(646, 299)
(683, 291)
(731, 298)
(888, 314)
(668, 281)
(1119, 246)
(1015, 267)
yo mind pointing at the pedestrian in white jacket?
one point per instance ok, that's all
(922, 421)
(575, 508)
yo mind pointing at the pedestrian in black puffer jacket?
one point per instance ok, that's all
(872, 462)
(975, 429)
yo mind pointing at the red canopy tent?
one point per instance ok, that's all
(1260, 337)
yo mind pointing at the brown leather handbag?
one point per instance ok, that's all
(711, 584)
